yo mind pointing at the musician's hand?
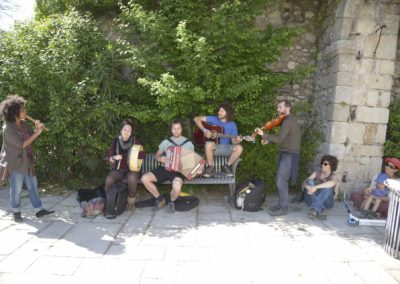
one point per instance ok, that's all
(162, 159)
(111, 160)
(259, 131)
(39, 127)
(207, 133)
(117, 157)
(264, 141)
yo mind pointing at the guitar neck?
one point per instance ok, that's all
(223, 135)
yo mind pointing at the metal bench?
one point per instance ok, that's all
(219, 178)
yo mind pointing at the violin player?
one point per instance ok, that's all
(288, 140)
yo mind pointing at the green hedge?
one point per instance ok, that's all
(168, 59)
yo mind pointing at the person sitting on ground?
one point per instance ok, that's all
(375, 196)
(391, 168)
(319, 188)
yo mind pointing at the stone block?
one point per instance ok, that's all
(338, 112)
(337, 150)
(341, 47)
(372, 115)
(359, 95)
(372, 98)
(383, 99)
(261, 22)
(370, 133)
(309, 37)
(385, 67)
(336, 132)
(275, 18)
(381, 82)
(364, 26)
(341, 94)
(367, 11)
(309, 15)
(347, 9)
(380, 136)
(392, 24)
(355, 133)
(344, 78)
(367, 150)
(345, 63)
(342, 28)
(386, 48)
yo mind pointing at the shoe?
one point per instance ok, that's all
(313, 214)
(209, 172)
(171, 207)
(18, 217)
(279, 212)
(274, 208)
(159, 203)
(109, 216)
(227, 170)
(322, 215)
(44, 212)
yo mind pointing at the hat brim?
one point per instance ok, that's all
(394, 161)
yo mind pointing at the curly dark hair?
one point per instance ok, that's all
(227, 106)
(331, 160)
(11, 107)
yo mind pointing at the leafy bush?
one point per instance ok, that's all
(172, 59)
(69, 74)
(392, 144)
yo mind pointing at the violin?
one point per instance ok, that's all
(272, 123)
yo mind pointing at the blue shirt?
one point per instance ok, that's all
(229, 128)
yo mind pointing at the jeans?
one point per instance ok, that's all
(321, 199)
(16, 181)
(282, 179)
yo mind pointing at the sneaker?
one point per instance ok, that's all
(209, 172)
(274, 208)
(279, 212)
(322, 215)
(313, 214)
(44, 212)
(227, 170)
(111, 216)
(159, 203)
(18, 217)
(171, 207)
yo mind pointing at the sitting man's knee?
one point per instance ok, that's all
(238, 148)
(147, 178)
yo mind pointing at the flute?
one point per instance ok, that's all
(34, 121)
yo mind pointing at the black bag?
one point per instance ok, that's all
(117, 199)
(182, 203)
(250, 196)
(85, 194)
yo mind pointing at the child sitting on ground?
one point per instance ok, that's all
(375, 196)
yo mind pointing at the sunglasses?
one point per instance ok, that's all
(390, 167)
(325, 164)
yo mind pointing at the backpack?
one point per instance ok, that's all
(92, 201)
(182, 203)
(117, 199)
(250, 196)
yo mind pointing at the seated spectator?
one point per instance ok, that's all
(319, 188)
(374, 197)
(391, 169)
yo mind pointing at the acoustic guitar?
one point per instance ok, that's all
(217, 132)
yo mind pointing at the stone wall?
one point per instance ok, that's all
(353, 83)
(396, 76)
(301, 53)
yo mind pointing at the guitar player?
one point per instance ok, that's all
(225, 146)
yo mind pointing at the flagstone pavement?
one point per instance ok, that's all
(213, 243)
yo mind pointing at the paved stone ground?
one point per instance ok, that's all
(211, 244)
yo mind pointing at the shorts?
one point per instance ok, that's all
(163, 175)
(223, 150)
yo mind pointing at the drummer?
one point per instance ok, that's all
(160, 174)
(118, 158)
